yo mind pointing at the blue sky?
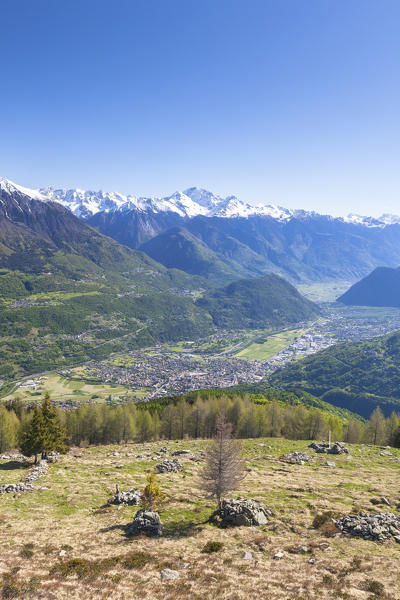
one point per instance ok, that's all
(294, 102)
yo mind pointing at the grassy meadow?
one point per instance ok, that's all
(268, 347)
(67, 518)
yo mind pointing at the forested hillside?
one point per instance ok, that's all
(357, 376)
(379, 288)
(267, 301)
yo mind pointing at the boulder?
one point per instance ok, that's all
(146, 522)
(169, 466)
(243, 512)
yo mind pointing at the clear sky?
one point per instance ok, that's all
(293, 102)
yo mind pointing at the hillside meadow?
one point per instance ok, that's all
(66, 518)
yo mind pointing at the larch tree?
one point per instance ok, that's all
(224, 467)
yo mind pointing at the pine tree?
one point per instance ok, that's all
(34, 437)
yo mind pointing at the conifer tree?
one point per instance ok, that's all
(55, 433)
(33, 438)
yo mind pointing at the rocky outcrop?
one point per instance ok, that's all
(169, 466)
(243, 512)
(336, 448)
(145, 522)
(379, 527)
(127, 498)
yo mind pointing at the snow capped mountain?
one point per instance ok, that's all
(190, 203)
(9, 187)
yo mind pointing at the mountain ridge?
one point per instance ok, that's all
(190, 202)
(379, 288)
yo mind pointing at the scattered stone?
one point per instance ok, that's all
(323, 448)
(181, 453)
(127, 498)
(278, 555)
(169, 574)
(247, 556)
(311, 561)
(385, 501)
(62, 553)
(295, 458)
(379, 527)
(330, 463)
(147, 522)
(119, 466)
(169, 466)
(243, 512)
(163, 449)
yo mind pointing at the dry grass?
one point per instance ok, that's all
(99, 562)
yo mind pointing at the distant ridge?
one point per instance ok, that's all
(379, 288)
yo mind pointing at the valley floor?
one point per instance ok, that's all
(65, 518)
(217, 361)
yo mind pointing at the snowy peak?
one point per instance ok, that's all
(83, 203)
(9, 187)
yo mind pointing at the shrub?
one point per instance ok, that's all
(152, 496)
(375, 587)
(322, 518)
(211, 547)
(135, 560)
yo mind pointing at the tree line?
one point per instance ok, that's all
(104, 424)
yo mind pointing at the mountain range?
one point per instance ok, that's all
(224, 238)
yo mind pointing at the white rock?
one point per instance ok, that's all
(169, 574)
(247, 556)
(278, 555)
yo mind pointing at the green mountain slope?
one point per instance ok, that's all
(356, 376)
(68, 293)
(180, 249)
(267, 301)
(379, 288)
